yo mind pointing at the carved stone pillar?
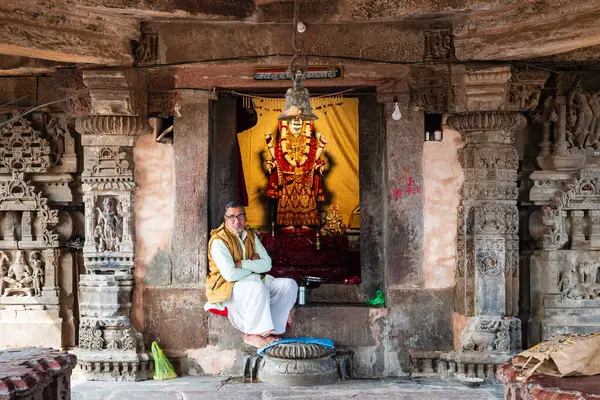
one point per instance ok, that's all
(109, 347)
(488, 102)
(487, 271)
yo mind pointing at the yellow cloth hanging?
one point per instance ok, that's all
(338, 122)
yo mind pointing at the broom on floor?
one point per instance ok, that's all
(162, 367)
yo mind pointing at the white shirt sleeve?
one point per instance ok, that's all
(263, 264)
(220, 253)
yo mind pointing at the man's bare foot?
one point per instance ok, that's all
(259, 341)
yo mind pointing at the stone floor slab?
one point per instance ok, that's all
(231, 395)
(226, 388)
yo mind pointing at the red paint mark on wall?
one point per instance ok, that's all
(409, 188)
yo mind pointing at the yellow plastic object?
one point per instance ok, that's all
(162, 367)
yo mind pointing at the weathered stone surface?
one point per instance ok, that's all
(527, 31)
(21, 327)
(216, 388)
(420, 319)
(190, 233)
(319, 321)
(371, 155)
(195, 41)
(158, 271)
(21, 89)
(17, 65)
(154, 210)
(224, 151)
(65, 34)
(166, 308)
(404, 198)
(442, 179)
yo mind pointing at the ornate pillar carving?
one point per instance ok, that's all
(487, 270)
(109, 347)
(488, 102)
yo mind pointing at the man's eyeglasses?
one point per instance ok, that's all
(239, 217)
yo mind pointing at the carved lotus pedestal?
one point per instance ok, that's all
(298, 364)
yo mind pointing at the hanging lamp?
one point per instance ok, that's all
(297, 98)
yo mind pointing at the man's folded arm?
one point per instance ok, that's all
(263, 264)
(220, 253)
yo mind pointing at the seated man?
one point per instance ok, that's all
(258, 306)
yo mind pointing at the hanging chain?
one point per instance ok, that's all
(298, 56)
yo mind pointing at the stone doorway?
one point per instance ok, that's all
(224, 169)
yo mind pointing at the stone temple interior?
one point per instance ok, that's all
(119, 131)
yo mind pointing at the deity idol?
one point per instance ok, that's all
(296, 172)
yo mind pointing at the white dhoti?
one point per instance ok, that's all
(256, 308)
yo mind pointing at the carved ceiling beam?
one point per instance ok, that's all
(16, 66)
(528, 30)
(65, 34)
(197, 41)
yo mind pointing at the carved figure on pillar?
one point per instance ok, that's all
(37, 266)
(594, 137)
(109, 229)
(579, 118)
(296, 172)
(57, 134)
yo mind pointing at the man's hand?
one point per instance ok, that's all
(238, 264)
(255, 256)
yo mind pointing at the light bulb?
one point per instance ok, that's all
(396, 114)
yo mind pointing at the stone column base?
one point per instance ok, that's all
(102, 365)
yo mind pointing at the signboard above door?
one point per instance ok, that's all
(313, 72)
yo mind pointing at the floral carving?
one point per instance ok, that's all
(90, 335)
(23, 149)
(489, 266)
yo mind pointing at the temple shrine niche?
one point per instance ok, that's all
(36, 268)
(302, 188)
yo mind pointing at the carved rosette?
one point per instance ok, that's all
(113, 125)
